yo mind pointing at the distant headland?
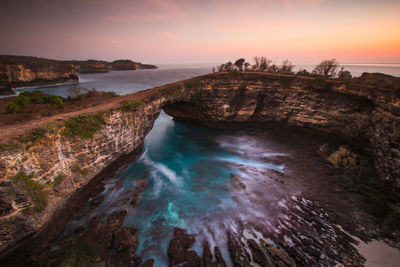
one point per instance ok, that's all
(18, 71)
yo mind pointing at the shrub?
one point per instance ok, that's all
(33, 136)
(19, 104)
(131, 105)
(53, 99)
(344, 75)
(58, 179)
(171, 91)
(303, 72)
(192, 84)
(84, 126)
(33, 188)
(79, 170)
(234, 73)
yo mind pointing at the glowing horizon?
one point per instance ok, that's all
(179, 31)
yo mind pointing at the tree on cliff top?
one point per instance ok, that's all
(287, 67)
(327, 68)
(239, 63)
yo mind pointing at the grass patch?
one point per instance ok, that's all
(192, 84)
(58, 179)
(131, 105)
(34, 190)
(235, 73)
(78, 169)
(24, 159)
(8, 147)
(173, 91)
(84, 126)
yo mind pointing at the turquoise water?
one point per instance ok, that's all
(190, 171)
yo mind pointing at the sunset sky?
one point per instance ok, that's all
(191, 31)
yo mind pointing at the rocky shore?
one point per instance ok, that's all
(366, 117)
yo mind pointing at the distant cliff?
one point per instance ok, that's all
(16, 71)
(94, 66)
(25, 71)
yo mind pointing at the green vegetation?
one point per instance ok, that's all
(131, 105)
(192, 84)
(5, 147)
(25, 158)
(84, 126)
(234, 73)
(34, 190)
(22, 102)
(33, 137)
(173, 91)
(19, 104)
(78, 169)
(58, 179)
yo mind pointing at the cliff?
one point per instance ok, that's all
(57, 156)
(16, 71)
(95, 66)
(365, 116)
(26, 71)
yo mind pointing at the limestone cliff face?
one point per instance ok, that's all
(75, 159)
(364, 116)
(25, 71)
(19, 74)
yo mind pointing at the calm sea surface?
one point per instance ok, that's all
(130, 81)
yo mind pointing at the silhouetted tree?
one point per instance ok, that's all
(326, 68)
(303, 72)
(287, 67)
(239, 63)
(228, 66)
(273, 68)
(264, 64)
(344, 75)
(246, 66)
(257, 61)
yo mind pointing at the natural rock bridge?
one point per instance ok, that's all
(365, 117)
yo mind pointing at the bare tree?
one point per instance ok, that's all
(327, 68)
(257, 61)
(264, 64)
(239, 63)
(287, 67)
(273, 68)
